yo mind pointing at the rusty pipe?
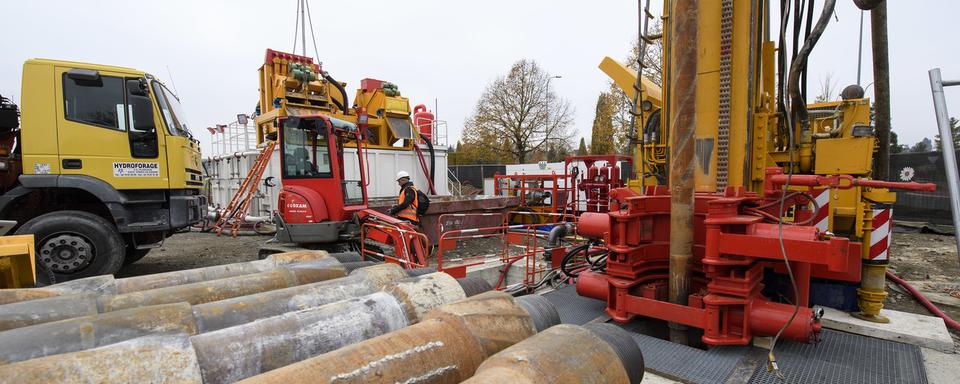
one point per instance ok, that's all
(235, 353)
(214, 290)
(447, 346)
(164, 358)
(241, 310)
(106, 284)
(39, 311)
(683, 123)
(93, 331)
(566, 353)
(216, 272)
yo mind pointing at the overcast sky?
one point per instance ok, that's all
(444, 50)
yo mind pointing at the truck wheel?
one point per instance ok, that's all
(134, 254)
(75, 244)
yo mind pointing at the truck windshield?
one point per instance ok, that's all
(173, 115)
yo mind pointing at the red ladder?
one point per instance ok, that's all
(236, 211)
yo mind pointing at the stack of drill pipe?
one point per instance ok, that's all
(108, 285)
(566, 353)
(39, 311)
(246, 350)
(87, 332)
(222, 357)
(446, 346)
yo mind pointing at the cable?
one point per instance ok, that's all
(296, 27)
(796, 66)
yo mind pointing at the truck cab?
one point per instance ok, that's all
(102, 167)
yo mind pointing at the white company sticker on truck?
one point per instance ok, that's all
(136, 169)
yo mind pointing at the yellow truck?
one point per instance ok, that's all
(100, 167)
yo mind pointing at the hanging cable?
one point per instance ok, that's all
(312, 35)
(296, 27)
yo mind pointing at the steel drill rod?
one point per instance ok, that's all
(683, 123)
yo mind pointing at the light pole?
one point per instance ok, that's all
(546, 128)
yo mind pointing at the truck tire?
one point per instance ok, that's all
(75, 244)
(133, 254)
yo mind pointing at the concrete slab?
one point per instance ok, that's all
(653, 378)
(924, 331)
(941, 367)
(489, 270)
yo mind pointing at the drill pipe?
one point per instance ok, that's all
(240, 310)
(683, 123)
(103, 284)
(106, 284)
(88, 332)
(419, 295)
(38, 311)
(214, 290)
(239, 352)
(446, 347)
(566, 353)
(164, 358)
(216, 272)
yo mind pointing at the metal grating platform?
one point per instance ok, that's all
(573, 308)
(842, 357)
(839, 357)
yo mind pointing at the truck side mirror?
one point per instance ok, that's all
(137, 88)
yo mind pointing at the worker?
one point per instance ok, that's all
(407, 202)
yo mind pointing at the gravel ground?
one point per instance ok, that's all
(194, 250)
(929, 262)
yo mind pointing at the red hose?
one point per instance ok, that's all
(503, 272)
(923, 300)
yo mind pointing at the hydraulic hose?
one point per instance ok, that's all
(923, 300)
(343, 92)
(798, 105)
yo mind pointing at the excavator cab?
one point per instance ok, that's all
(324, 184)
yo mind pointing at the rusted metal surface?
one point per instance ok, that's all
(564, 353)
(39, 311)
(246, 350)
(88, 332)
(97, 284)
(424, 293)
(196, 275)
(240, 310)
(493, 318)
(440, 205)
(683, 126)
(446, 347)
(214, 290)
(167, 358)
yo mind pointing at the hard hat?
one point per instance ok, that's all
(402, 174)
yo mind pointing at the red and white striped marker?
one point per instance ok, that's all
(881, 237)
(822, 198)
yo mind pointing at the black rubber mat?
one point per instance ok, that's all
(842, 357)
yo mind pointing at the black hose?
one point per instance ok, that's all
(798, 105)
(433, 159)
(343, 92)
(570, 255)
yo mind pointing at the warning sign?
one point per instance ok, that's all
(136, 169)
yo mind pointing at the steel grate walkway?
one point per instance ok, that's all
(839, 357)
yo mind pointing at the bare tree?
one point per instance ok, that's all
(518, 115)
(827, 86)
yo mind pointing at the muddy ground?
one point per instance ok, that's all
(194, 250)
